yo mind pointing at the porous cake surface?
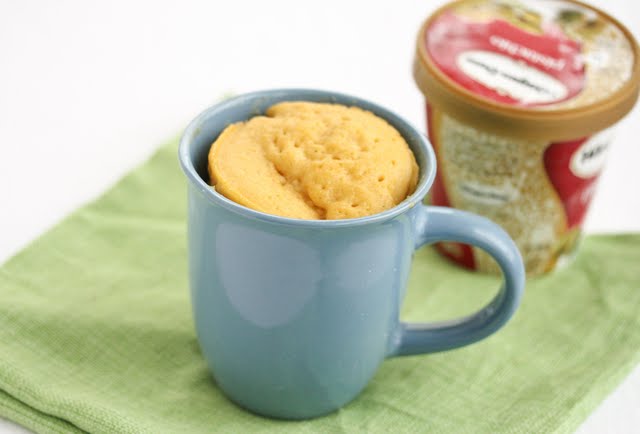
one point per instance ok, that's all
(313, 161)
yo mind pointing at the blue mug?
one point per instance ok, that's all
(295, 316)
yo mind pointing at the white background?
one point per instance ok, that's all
(88, 90)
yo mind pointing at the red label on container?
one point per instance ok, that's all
(573, 168)
(504, 63)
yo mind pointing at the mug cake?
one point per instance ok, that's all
(314, 161)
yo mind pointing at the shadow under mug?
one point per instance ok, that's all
(295, 316)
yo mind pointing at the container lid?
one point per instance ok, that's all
(537, 69)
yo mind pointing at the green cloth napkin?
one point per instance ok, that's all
(96, 334)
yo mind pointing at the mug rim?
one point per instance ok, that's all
(427, 173)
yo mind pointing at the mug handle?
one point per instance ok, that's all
(431, 224)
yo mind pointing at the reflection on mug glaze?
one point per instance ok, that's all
(244, 253)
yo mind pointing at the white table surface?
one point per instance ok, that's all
(89, 89)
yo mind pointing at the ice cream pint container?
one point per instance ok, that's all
(521, 97)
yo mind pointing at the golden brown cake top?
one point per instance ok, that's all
(313, 161)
